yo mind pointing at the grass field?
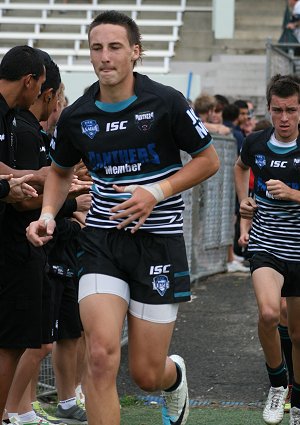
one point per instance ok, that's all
(134, 412)
(145, 415)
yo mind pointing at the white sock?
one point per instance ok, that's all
(28, 416)
(66, 404)
(12, 415)
(79, 393)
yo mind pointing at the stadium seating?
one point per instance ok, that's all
(61, 29)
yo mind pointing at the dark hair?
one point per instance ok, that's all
(20, 61)
(46, 58)
(221, 100)
(262, 124)
(283, 86)
(241, 104)
(53, 79)
(230, 112)
(116, 18)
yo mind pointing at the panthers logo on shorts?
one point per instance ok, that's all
(161, 284)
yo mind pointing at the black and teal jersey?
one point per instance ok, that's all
(137, 141)
(276, 223)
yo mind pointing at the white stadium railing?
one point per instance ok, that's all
(49, 32)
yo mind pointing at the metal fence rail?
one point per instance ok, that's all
(281, 59)
(208, 230)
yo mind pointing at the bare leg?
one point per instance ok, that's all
(151, 369)
(27, 368)
(8, 363)
(80, 359)
(267, 285)
(102, 317)
(64, 358)
(293, 305)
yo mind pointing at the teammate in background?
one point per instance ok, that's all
(16, 189)
(129, 131)
(273, 155)
(19, 86)
(23, 273)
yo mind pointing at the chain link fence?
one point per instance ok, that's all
(208, 230)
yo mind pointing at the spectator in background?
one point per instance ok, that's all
(231, 119)
(221, 101)
(216, 115)
(294, 23)
(248, 125)
(243, 114)
(262, 124)
(251, 112)
(204, 107)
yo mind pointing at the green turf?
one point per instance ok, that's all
(133, 412)
(145, 415)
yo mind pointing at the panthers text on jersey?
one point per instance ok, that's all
(132, 142)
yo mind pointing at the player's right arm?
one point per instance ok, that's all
(241, 177)
(56, 189)
(245, 226)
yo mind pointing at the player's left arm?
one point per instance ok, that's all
(283, 192)
(144, 198)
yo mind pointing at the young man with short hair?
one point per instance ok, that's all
(22, 74)
(129, 131)
(274, 157)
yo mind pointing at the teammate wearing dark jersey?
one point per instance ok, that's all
(129, 131)
(19, 87)
(16, 189)
(274, 242)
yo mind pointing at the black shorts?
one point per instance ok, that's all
(67, 324)
(288, 269)
(155, 267)
(26, 298)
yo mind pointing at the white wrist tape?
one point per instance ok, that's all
(46, 217)
(154, 189)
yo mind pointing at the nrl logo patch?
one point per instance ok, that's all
(260, 160)
(144, 120)
(161, 284)
(90, 128)
(297, 163)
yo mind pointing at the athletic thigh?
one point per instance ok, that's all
(148, 344)
(268, 277)
(293, 308)
(102, 317)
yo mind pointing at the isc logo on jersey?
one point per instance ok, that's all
(278, 164)
(116, 125)
(159, 269)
